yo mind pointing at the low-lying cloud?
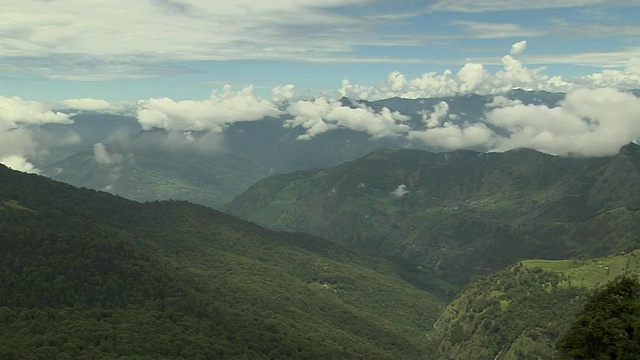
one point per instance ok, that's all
(321, 115)
(212, 114)
(102, 156)
(17, 139)
(588, 122)
(400, 191)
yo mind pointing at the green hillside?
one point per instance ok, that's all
(89, 275)
(156, 173)
(518, 313)
(521, 312)
(590, 273)
(462, 213)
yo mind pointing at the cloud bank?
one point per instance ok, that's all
(321, 115)
(17, 135)
(475, 78)
(588, 122)
(211, 115)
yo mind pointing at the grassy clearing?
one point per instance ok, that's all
(13, 204)
(591, 272)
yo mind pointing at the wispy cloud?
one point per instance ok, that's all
(499, 5)
(117, 40)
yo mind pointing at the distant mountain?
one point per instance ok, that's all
(88, 128)
(460, 213)
(212, 170)
(86, 274)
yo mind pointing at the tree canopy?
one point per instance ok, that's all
(608, 327)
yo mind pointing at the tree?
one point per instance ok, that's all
(608, 327)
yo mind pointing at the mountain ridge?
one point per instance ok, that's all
(417, 204)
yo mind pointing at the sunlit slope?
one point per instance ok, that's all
(590, 272)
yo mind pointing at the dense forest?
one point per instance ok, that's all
(90, 275)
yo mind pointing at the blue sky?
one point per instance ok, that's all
(51, 50)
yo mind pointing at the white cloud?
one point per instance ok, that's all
(436, 117)
(103, 157)
(588, 122)
(17, 111)
(70, 38)
(17, 137)
(212, 114)
(475, 78)
(400, 191)
(494, 30)
(442, 133)
(498, 5)
(86, 104)
(450, 136)
(283, 92)
(518, 48)
(633, 67)
(322, 115)
(502, 101)
(20, 163)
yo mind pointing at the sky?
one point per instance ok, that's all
(115, 50)
(185, 65)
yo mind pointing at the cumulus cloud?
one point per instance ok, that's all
(20, 163)
(471, 78)
(18, 139)
(17, 111)
(400, 191)
(212, 114)
(441, 132)
(103, 157)
(283, 92)
(436, 117)
(629, 78)
(502, 101)
(633, 67)
(450, 136)
(86, 104)
(588, 122)
(518, 48)
(322, 115)
(476, 78)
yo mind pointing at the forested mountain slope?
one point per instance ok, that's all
(89, 275)
(521, 312)
(460, 213)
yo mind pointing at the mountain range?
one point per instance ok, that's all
(212, 168)
(461, 213)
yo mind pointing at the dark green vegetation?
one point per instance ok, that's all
(522, 312)
(89, 275)
(514, 314)
(461, 213)
(608, 327)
